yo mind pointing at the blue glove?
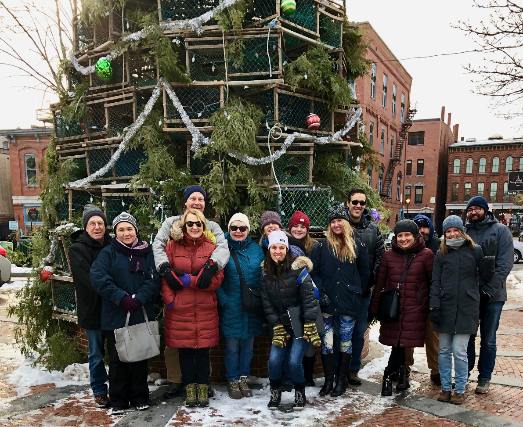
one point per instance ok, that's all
(171, 305)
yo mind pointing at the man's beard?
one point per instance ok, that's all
(426, 238)
(479, 219)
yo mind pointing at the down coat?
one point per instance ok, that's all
(295, 290)
(409, 329)
(193, 320)
(234, 322)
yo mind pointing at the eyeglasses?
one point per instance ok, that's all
(358, 202)
(190, 224)
(243, 228)
(470, 210)
(95, 224)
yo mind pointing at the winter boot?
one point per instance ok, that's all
(343, 368)
(203, 395)
(403, 382)
(190, 395)
(328, 369)
(275, 394)
(299, 397)
(244, 387)
(308, 370)
(386, 384)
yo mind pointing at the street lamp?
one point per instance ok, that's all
(407, 201)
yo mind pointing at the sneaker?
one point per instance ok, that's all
(142, 407)
(436, 378)
(483, 386)
(444, 396)
(173, 390)
(353, 378)
(203, 395)
(244, 387)
(234, 390)
(102, 401)
(458, 398)
(190, 395)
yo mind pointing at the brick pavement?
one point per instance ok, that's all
(511, 319)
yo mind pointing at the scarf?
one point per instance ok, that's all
(136, 252)
(455, 243)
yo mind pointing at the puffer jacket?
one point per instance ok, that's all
(345, 282)
(455, 288)
(295, 290)
(234, 322)
(193, 320)
(409, 329)
(490, 228)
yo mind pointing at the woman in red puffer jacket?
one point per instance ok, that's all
(409, 329)
(191, 316)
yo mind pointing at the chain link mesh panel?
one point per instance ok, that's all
(80, 170)
(62, 210)
(330, 31)
(199, 103)
(207, 65)
(84, 36)
(120, 116)
(255, 60)
(67, 128)
(178, 10)
(313, 202)
(98, 159)
(79, 200)
(129, 163)
(294, 109)
(293, 169)
(116, 205)
(64, 296)
(142, 69)
(262, 9)
(305, 15)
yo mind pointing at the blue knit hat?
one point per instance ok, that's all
(454, 221)
(195, 189)
(478, 201)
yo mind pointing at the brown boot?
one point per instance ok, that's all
(353, 378)
(444, 396)
(234, 390)
(458, 398)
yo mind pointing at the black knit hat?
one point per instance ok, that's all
(338, 210)
(90, 211)
(406, 226)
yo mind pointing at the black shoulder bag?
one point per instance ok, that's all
(251, 298)
(389, 305)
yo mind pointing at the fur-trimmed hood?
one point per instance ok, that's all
(299, 263)
(176, 232)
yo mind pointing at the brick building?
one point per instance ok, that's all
(6, 192)
(26, 149)
(426, 167)
(385, 98)
(480, 168)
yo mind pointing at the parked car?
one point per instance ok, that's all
(518, 251)
(388, 240)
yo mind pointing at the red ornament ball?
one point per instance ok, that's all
(313, 121)
(44, 275)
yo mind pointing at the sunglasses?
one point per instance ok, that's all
(358, 202)
(243, 228)
(190, 224)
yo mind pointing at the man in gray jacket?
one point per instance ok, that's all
(482, 226)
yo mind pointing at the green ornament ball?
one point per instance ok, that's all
(288, 7)
(104, 70)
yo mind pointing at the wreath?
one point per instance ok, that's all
(33, 213)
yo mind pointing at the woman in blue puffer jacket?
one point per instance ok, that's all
(238, 326)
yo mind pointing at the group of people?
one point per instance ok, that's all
(311, 294)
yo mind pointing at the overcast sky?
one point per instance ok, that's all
(410, 29)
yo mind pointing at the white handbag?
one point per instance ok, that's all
(138, 342)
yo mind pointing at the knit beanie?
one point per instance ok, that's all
(90, 211)
(195, 189)
(406, 226)
(338, 210)
(278, 237)
(125, 217)
(453, 221)
(478, 201)
(240, 217)
(269, 217)
(300, 218)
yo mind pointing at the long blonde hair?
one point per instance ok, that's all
(344, 248)
(444, 248)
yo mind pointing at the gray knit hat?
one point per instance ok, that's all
(90, 211)
(337, 210)
(270, 217)
(125, 217)
(406, 226)
(453, 221)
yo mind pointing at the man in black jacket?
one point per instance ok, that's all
(370, 235)
(87, 245)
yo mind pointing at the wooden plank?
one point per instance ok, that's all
(61, 278)
(306, 39)
(299, 27)
(114, 104)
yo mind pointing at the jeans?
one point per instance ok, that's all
(237, 357)
(358, 334)
(345, 324)
(194, 363)
(98, 374)
(488, 326)
(299, 347)
(453, 344)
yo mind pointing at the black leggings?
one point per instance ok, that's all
(194, 364)
(396, 359)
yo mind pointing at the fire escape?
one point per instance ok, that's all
(398, 151)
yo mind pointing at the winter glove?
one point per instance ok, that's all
(174, 282)
(310, 333)
(205, 274)
(129, 304)
(489, 248)
(324, 300)
(435, 316)
(370, 317)
(184, 278)
(280, 334)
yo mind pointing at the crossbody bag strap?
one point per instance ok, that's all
(406, 269)
(238, 268)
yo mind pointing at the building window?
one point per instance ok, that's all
(419, 196)
(371, 134)
(398, 188)
(409, 167)
(30, 170)
(508, 164)
(373, 81)
(384, 101)
(506, 196)
(394, 93)
(455, 192)
(389, 192)
(482, 165)
(392, 146)
(380, 182)
(5, 145)
(481, 189)
(468, 165)
(417, 138)
(32, 218)
(402, 108)
(495, 165)
(493, 191)
(421, 166)
(407, 194)
(468, 192)
(457, 165)
(382, 141)
(369, 176)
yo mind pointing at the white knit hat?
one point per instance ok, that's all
(278, 237)
(240, 217)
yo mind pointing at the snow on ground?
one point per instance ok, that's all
(516, 280)
(375, 366)
(14, 285)
(15, 269)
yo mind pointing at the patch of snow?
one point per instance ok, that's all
(151, 378)
(15, 285)
(15, 269)
(375, 366)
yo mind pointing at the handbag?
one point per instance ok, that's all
(251, 298)
(389, 305)
(138, 342)
(296, 317)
